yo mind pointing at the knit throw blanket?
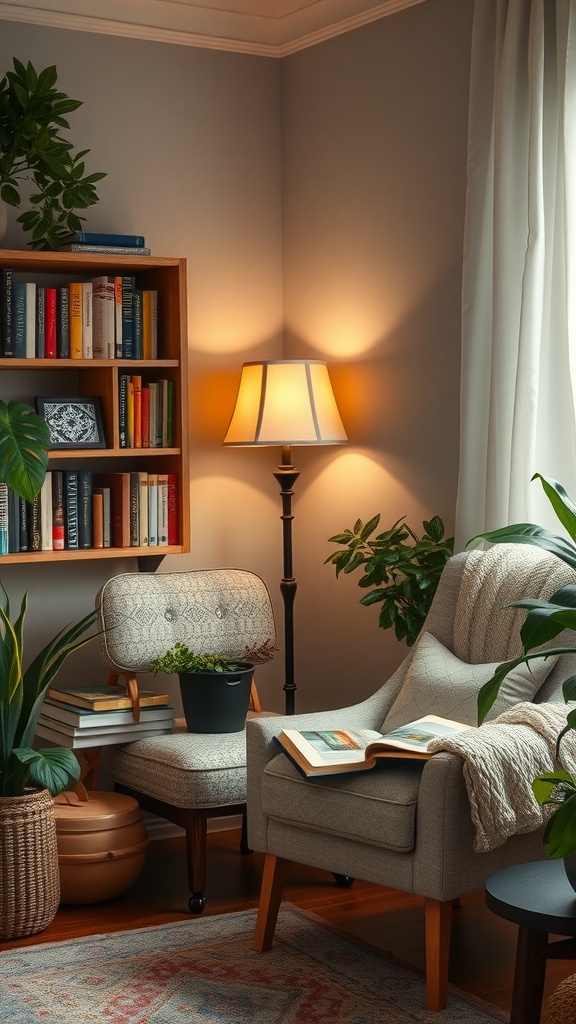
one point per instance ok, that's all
(501, 760)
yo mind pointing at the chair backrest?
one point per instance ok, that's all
(212, 611)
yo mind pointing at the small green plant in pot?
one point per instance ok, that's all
(215, 689)
(401, 571)
(544, 621)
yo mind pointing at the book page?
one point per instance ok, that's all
(332, 746)
(419, 734)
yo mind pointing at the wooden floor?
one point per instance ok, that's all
(483, 945)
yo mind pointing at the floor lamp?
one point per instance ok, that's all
(286, 402)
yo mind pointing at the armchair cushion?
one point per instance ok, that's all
(377, 807)
(438, 683)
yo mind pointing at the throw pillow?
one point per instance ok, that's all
(438, 683)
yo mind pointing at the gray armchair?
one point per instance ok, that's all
(407, 824)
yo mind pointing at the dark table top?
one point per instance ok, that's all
(537, 895)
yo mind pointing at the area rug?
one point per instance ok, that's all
(204, 971)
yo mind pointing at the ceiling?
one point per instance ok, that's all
(273, 28)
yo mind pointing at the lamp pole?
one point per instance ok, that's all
(287, 476)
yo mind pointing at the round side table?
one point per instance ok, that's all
(540, 900)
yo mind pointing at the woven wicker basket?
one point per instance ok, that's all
(29, 873)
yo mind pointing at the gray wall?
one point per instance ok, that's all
(339, 175)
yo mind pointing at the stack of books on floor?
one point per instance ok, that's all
(97, 716)
(104, 242)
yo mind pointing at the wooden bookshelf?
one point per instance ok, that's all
(21, 379)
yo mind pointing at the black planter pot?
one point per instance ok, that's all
(216, 701)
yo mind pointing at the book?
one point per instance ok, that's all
(104, 510)
(30, 287)
(153, 509)
(134, 509)
(137, 390)
(111, 697)
(24, 533)
(111, 250)
(84, 508)
(87, 329)
(97, 519)
(330, 752)
(143, 509)
(6, 278)
(137, 320)
(106, 238)
(40, 322)
(128, 284)
(103, 317)
(152, 413)
(118, 317)
(19, 319)
(71, 508)
(50, 323)
(106, 738)
(123, 380)
(62, 322)
(162, 524)
(145, 406)
(83, 719)
(75, 319)
(149, 323)
(58, 531)
(46, 540)
(105, 728)
(173, 508)
(4, 520)
(119, 486)
(34, 524)
(13, 521)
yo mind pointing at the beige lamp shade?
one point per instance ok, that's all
(285, 402)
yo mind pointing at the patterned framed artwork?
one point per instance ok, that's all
(73, 422)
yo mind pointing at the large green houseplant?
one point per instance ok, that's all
(544, 621)
(401, 571)
(32, 149)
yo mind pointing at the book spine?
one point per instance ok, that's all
(97, 519)
(143, 509)
(84, 508)
(118, 317)
(40, 322)
(87, 326)
(145, 403)
(75, 319)
(152, 510)
(103, 317)
(123, 409)
(63, 323)
(162, 509)
(137, 388)
(159, 413)
(46, 514)
(24, 534)
(6, 322)
(19, 319)
(137, 321)
(51, 334)
(34, 536)
(110, 250)
(30, 319)
(4, 520)
(58, 531)
(127, 318)
(153, 413)
(71, 492)
(96, 238)
(134, 513)
(13, 521)
(130, 413)
(173, 509)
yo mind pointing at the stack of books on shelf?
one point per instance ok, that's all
(146, 412)
(78, 509)
(106, 317)
(97, 716)
(104, 242)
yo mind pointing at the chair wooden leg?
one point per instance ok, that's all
(438, 920)
(196, 840)
(273, 879)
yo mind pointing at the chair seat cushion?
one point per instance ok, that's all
(377, 807)
(190, 770)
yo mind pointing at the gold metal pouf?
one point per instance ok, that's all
(29, 873)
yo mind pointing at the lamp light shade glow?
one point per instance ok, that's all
(285, 402)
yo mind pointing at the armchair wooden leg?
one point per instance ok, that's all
(196, 839)
(438, 920)
(273, 879)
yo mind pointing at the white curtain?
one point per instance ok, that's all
(519, 275)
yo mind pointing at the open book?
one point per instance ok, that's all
(326, 752)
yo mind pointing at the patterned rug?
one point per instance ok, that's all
(204, 971)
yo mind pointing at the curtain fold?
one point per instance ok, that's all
(519, 272)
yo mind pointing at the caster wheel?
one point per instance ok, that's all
(343, 881)
(196, 903)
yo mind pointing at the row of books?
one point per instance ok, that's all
(77, 509)
(146, 412)
(106, 317)
(96, 716)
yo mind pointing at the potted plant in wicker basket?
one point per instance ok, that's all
(215, 689)
(29, 778)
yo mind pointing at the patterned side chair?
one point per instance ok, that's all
(185, 777)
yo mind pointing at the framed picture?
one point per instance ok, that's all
(73, 422)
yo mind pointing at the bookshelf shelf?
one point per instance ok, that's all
(19, 380)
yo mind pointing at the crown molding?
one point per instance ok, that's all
(188, 24)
